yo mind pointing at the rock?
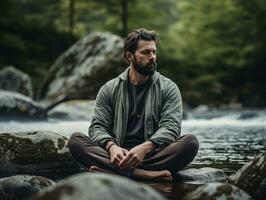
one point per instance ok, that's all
(201, 108)
(251, 177)
(204, 174)
(14, 80)
(84, 68)
(41, 153)
(17, 106)
(217, 191)
(98, 187)
(73, 110)
(248, 115)
(208, 114)
(260, 193)
(21, 187)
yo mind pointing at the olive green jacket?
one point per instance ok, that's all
(163, 111)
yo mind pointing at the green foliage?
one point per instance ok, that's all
(27, 41)
(214, 50)
(217, 39)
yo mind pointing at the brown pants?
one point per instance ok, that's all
(173, 157)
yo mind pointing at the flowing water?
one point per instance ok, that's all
(228, 139)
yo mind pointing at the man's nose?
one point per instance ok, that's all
(152, 57)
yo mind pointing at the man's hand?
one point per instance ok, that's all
(136, 155)
(117, 154)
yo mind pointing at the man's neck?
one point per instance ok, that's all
(135, 77)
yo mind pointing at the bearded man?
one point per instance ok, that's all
(136, 123)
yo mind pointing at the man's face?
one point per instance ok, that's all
(144, 59)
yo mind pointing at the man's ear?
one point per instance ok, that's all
(129, 56)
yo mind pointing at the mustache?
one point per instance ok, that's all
(154, 63)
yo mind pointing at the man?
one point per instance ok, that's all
(136, 124)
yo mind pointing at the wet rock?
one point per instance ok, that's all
(251, 177)
(17, 106)
(260, 193)
(201, 108)
(205, 112)
(98, 187)
(248, 115)
(14, 80)
(41, 153)
(84, 68)
(217, 191)
(73, 110)
(204, 174)
(21, 187)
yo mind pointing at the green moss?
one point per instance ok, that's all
(24, 151)
(61, 143)
(106, 182)
(39, 180)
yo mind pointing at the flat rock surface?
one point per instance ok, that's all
(204, 174)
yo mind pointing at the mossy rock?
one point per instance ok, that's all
(38, 153)
(80, 71)
(212, 191)
(252, 176)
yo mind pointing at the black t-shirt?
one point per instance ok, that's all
(135, 125)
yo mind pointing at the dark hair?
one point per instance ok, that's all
(131, 41)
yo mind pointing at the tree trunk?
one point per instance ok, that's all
(71, 16)
(124, 17)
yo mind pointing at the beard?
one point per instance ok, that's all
(145, 69)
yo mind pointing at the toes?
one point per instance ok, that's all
(92, 168)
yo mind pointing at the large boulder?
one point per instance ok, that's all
(41, 153)
(252, 177)
(17, 106)
(205, 174)
(83, 69)
(14, 80)
(21, 187)
(98, 187)
(73, 110)
(217, 191)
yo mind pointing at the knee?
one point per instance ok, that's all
(73, 139)
(191, 142)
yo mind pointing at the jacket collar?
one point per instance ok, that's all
(124, 76)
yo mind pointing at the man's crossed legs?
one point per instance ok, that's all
(160, 164)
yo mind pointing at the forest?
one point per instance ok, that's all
(214, 50)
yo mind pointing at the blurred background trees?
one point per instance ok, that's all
(214, 50)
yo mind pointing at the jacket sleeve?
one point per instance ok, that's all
(100, 129)
(169, 127)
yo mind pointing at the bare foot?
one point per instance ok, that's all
(163, 175)
(95, 169)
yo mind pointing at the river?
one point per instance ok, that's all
(228, 139)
